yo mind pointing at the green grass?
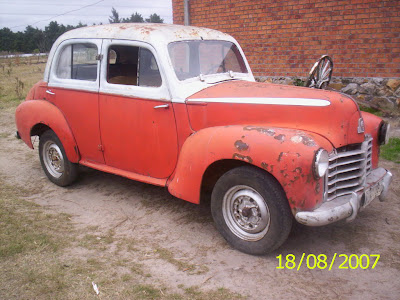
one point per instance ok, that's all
(391, 151)
(370, 110)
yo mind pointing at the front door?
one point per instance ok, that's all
(137, 121)
(74, 88)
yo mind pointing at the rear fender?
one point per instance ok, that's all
(34, 112)
(287, 154)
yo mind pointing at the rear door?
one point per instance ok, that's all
(74, 88)
(137, 121)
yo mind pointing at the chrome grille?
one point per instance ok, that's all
(348, 168)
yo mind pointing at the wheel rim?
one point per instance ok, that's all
(246, 213)
(53, 159)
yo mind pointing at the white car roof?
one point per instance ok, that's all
(146, 32)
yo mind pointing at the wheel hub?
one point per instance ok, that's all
(53, 159)
(246, 213)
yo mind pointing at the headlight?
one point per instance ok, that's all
(321, 163)
(383, 134)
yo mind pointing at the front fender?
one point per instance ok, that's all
(372, 125)
(287, 154)
(31, 113)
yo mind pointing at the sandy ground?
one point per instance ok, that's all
(157, 219)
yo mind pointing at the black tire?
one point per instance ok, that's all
(54, 160)
(251, 211)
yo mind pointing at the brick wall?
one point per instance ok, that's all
(285, 38)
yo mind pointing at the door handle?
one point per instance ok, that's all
(50, 92)
(162, 106)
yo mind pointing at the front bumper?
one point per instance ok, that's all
(348, 206)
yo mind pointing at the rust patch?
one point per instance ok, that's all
(308, 141)
(280, 156)
(241, 146)
(280, 137)
(317, 188)
(267, 167)
(298, 170)
(242, 157)
(262, 130)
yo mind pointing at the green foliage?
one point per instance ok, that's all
(34, 40)
(114, 18)
(134, 18)
(391, 151)
(298, 82)
(370, 110)
(154, 18)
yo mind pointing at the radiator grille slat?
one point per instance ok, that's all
(348, 168)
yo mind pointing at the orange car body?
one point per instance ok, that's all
(176, 139)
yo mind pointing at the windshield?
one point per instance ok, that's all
(195, 58)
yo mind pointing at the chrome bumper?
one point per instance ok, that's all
(348, 206)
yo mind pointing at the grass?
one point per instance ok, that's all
(371, 110)
(44, 256)
(17, 76)
(391, 151)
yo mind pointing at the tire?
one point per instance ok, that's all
(251, 211)
(54, 161)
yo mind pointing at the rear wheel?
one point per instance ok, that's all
(54, 160)
(250, 210)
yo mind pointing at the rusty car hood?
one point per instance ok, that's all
(330, 114)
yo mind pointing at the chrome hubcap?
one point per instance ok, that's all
(53, 159)
(246, 213)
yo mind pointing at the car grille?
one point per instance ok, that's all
(348, 169)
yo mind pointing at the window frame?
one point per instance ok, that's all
(76, 84)
(142, 92)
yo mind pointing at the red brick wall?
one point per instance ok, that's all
(285, 38)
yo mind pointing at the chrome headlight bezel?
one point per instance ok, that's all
(383, 133)
(321, 163)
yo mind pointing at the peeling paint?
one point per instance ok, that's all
(298, 170)
(280, 137)
(242, 157)
(297, 139)
(267, 131)
(241, 146)
(308, 141)
(280, 156)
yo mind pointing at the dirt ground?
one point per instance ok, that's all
(157, 220)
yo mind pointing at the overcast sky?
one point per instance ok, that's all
(17, 14)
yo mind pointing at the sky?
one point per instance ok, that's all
(17, 14)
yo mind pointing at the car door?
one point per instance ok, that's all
(137, 121)
(73, 87)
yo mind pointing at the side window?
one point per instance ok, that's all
(78, 61)
(130, 65)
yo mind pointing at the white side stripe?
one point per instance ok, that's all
(275, 101)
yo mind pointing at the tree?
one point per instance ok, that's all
(154, 18)
(114, 18)
(134, 18)
(6, 39)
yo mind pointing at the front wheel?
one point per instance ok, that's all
(54, 160)
(250, 210)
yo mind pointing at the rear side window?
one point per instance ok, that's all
(78, 61)
(129, 65)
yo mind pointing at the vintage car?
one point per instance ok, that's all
(178, 107)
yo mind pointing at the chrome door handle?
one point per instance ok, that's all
(161, 106)
(50, 92)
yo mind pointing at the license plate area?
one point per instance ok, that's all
(372, 192)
